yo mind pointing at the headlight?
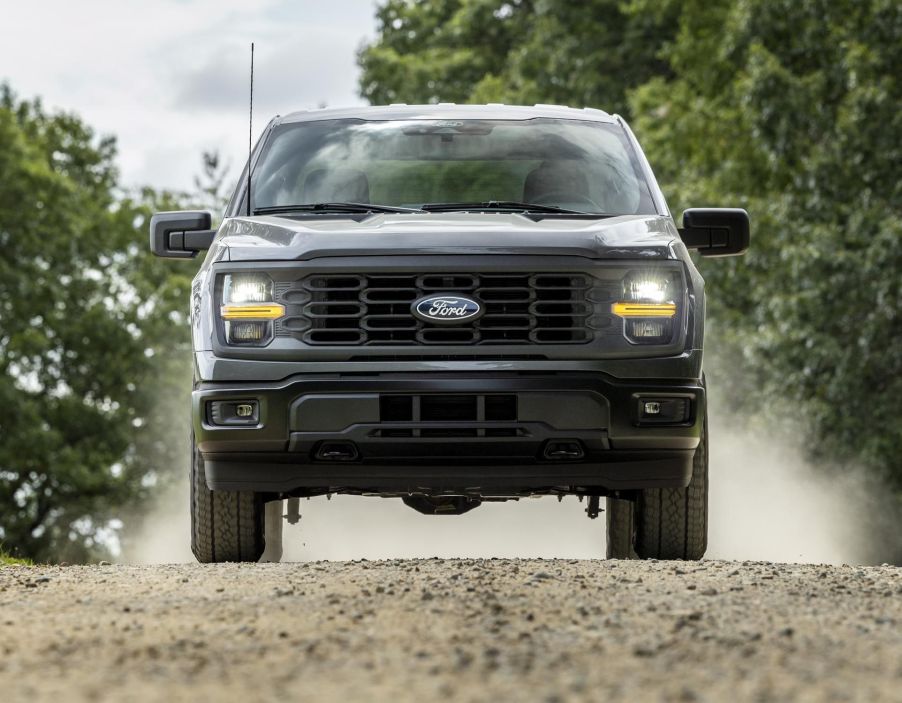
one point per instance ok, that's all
(247, 288)
(646, 288)
(648, 306)
(248, 309)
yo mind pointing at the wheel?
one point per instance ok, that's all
(225, 525)
(621, 526)
(663, 523)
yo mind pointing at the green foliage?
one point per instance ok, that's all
(793, 110)
(209, 185)
(92, 332)
(790, 108)
(8, 560)
(585, 52)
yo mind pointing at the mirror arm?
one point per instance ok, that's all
(180, 234)
(197, 240)
(705, 237)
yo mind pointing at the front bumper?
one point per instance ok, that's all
(479, 433)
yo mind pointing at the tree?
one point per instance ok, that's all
(88, 325)
(209, 185)
(585, 53)
(790, 108)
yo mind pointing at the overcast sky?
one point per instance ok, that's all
(169, 78)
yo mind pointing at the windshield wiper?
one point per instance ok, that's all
(512, 205)
(331, 207)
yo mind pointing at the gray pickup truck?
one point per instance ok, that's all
(449, 305)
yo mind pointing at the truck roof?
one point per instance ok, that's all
(442, 111)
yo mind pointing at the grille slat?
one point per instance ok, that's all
(375, 309)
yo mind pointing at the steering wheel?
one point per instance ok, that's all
(556, 197)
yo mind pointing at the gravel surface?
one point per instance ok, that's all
(427, 630)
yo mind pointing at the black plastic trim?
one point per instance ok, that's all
(620, 455)
(621, 471)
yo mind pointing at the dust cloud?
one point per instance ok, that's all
(766, 503)
(162, 535)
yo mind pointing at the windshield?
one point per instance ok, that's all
(576, 165)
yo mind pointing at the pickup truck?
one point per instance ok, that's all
(449, 304)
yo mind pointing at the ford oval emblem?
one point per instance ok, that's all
(447, 309)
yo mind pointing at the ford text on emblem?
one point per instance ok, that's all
(447, 309)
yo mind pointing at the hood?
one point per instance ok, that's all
(281, 238)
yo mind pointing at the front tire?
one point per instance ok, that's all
(663, 523)
(225, 525)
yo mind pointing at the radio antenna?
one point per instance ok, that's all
(250, 134)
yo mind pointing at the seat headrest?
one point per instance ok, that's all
(346, 185)
(555, 177)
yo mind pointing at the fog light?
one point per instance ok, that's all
(233, 412)
(663, 411)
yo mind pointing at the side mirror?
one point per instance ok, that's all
(716, 231)
(180, 235)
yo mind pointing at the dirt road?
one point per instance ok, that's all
(459, 630)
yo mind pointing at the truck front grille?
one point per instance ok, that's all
(375, 309)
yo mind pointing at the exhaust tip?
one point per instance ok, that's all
(564, 450)
(337, 451)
